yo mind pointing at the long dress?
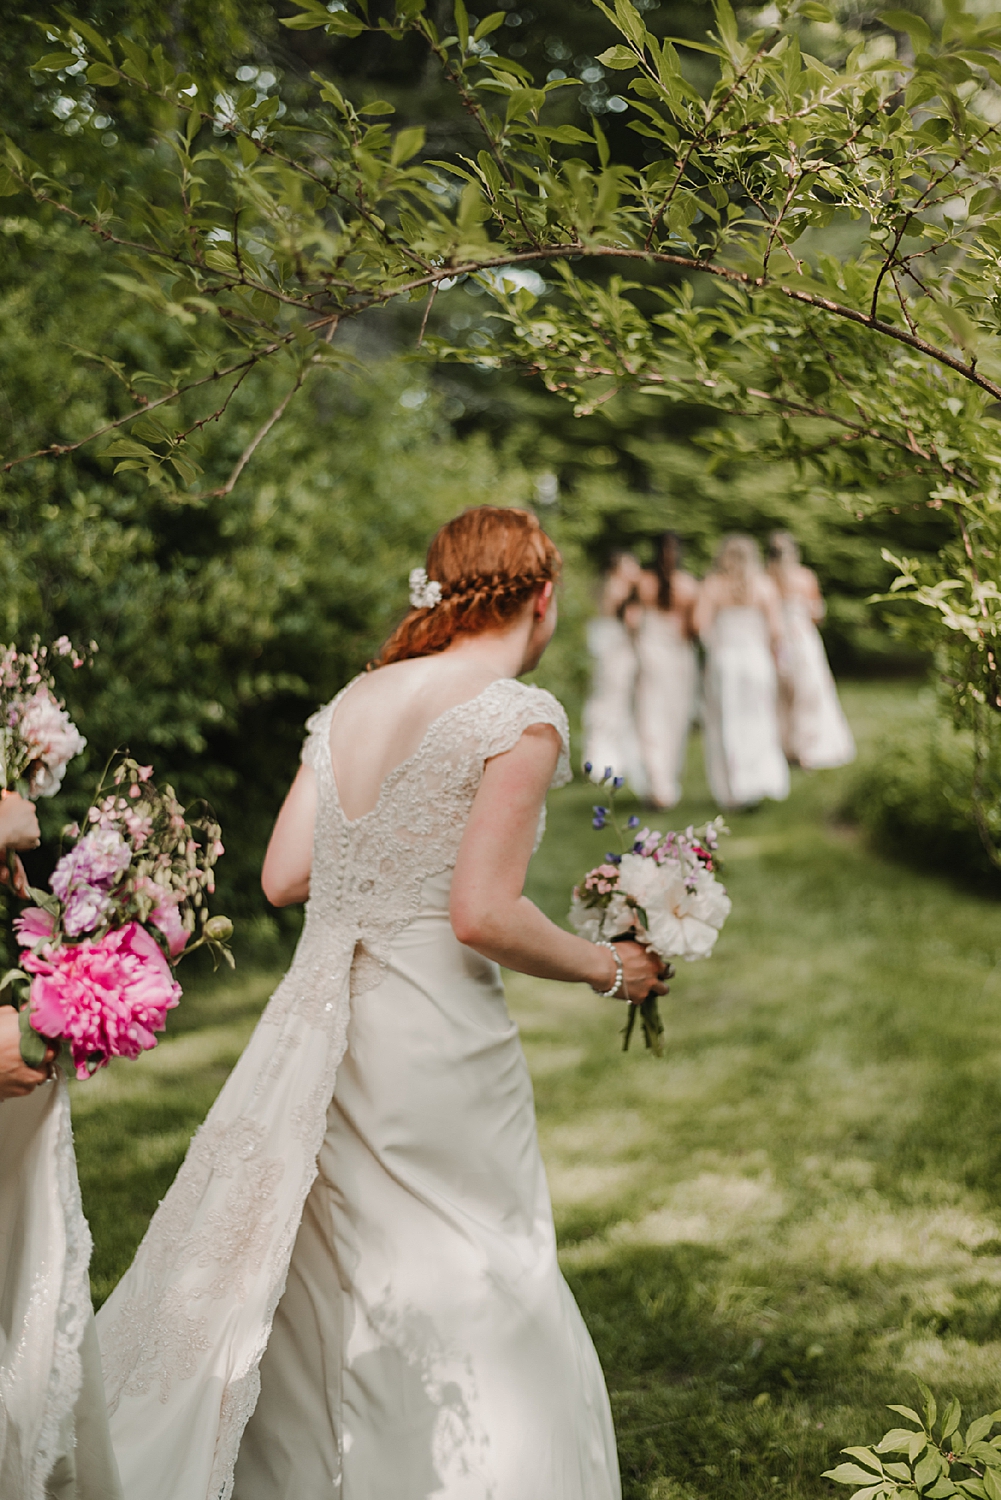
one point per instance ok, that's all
(361, 1230)
(54, 1440)
(815, 731)
(744, 758)
(665, 701)
(609, 720)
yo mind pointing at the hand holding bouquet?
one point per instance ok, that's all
(661, 890)
(126, 902)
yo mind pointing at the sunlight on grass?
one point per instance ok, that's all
(774, 1227)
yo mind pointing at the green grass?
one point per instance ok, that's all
(772, 1229)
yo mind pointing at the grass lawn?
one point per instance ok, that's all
(770, 1230)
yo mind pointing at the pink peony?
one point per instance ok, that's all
(52, 738)
(105, 999)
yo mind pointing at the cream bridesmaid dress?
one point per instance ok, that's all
(744, 758)
(815, 732)
(609, 721)
(54, 1441)
(665, 701)
(352, 1288)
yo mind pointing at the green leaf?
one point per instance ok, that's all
(897, 1440)
(8, 183)
(929, 1469)
(618, 57)
(88, 33)
(377, 107)
(307, 22)
(567, 135)
(247, 149)
(601, 141)
(343, 23)
(462, 25)
(951, 1418)
(54, 62)
(849, 1474)
(126, 448)
(489, 24)
(906, 1411)
(33, 1047)
(905, 20)
(406, 144)
(992, 1485)
(101, 76)
(812, 10)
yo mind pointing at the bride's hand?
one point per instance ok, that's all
(643, 973)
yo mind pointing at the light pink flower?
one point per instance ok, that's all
(32, 925)
(167, 919)
(105, 999)
(52, 738)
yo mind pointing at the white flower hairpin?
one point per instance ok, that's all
(423, 594)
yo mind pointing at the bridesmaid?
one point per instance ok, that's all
(739, 619)
(665, 691)
(54, 1438)
(610, 738)
(815, 732)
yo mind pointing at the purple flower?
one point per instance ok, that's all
(609, 773)
(614, 859)
(633, 822)
(618, 782)
(84, 877)
(588, 768)
(600, 815)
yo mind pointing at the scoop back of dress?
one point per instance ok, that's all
(425, 1344)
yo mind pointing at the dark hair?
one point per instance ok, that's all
(668, 561)
(489, 560)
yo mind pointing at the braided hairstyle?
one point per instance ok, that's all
(489, 561)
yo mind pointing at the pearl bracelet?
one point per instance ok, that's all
(617, 991)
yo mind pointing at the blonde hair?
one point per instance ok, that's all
(489, 561)
(738, 559)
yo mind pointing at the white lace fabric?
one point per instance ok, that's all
(45, 1250)
(183, 1334)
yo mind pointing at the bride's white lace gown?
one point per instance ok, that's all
(376, 1146)
(54, 1442)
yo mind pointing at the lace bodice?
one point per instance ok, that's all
(368, 871)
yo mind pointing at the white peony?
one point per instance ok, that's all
(681, 923)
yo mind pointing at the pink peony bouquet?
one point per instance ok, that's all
(38, 739)
(125, 903)
(662, 890)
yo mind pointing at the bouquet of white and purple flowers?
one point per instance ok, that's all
(125, 903)
(661, 890)
(38, 739)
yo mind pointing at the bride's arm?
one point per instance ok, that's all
(489, 912)
(289, 860)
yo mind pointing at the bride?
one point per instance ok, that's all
(352, 1287)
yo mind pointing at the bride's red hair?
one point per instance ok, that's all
(489, 561)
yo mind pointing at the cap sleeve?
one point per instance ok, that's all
(511, 710)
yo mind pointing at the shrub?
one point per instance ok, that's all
(914, 797)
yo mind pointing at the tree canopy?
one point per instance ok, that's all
(791, 220)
